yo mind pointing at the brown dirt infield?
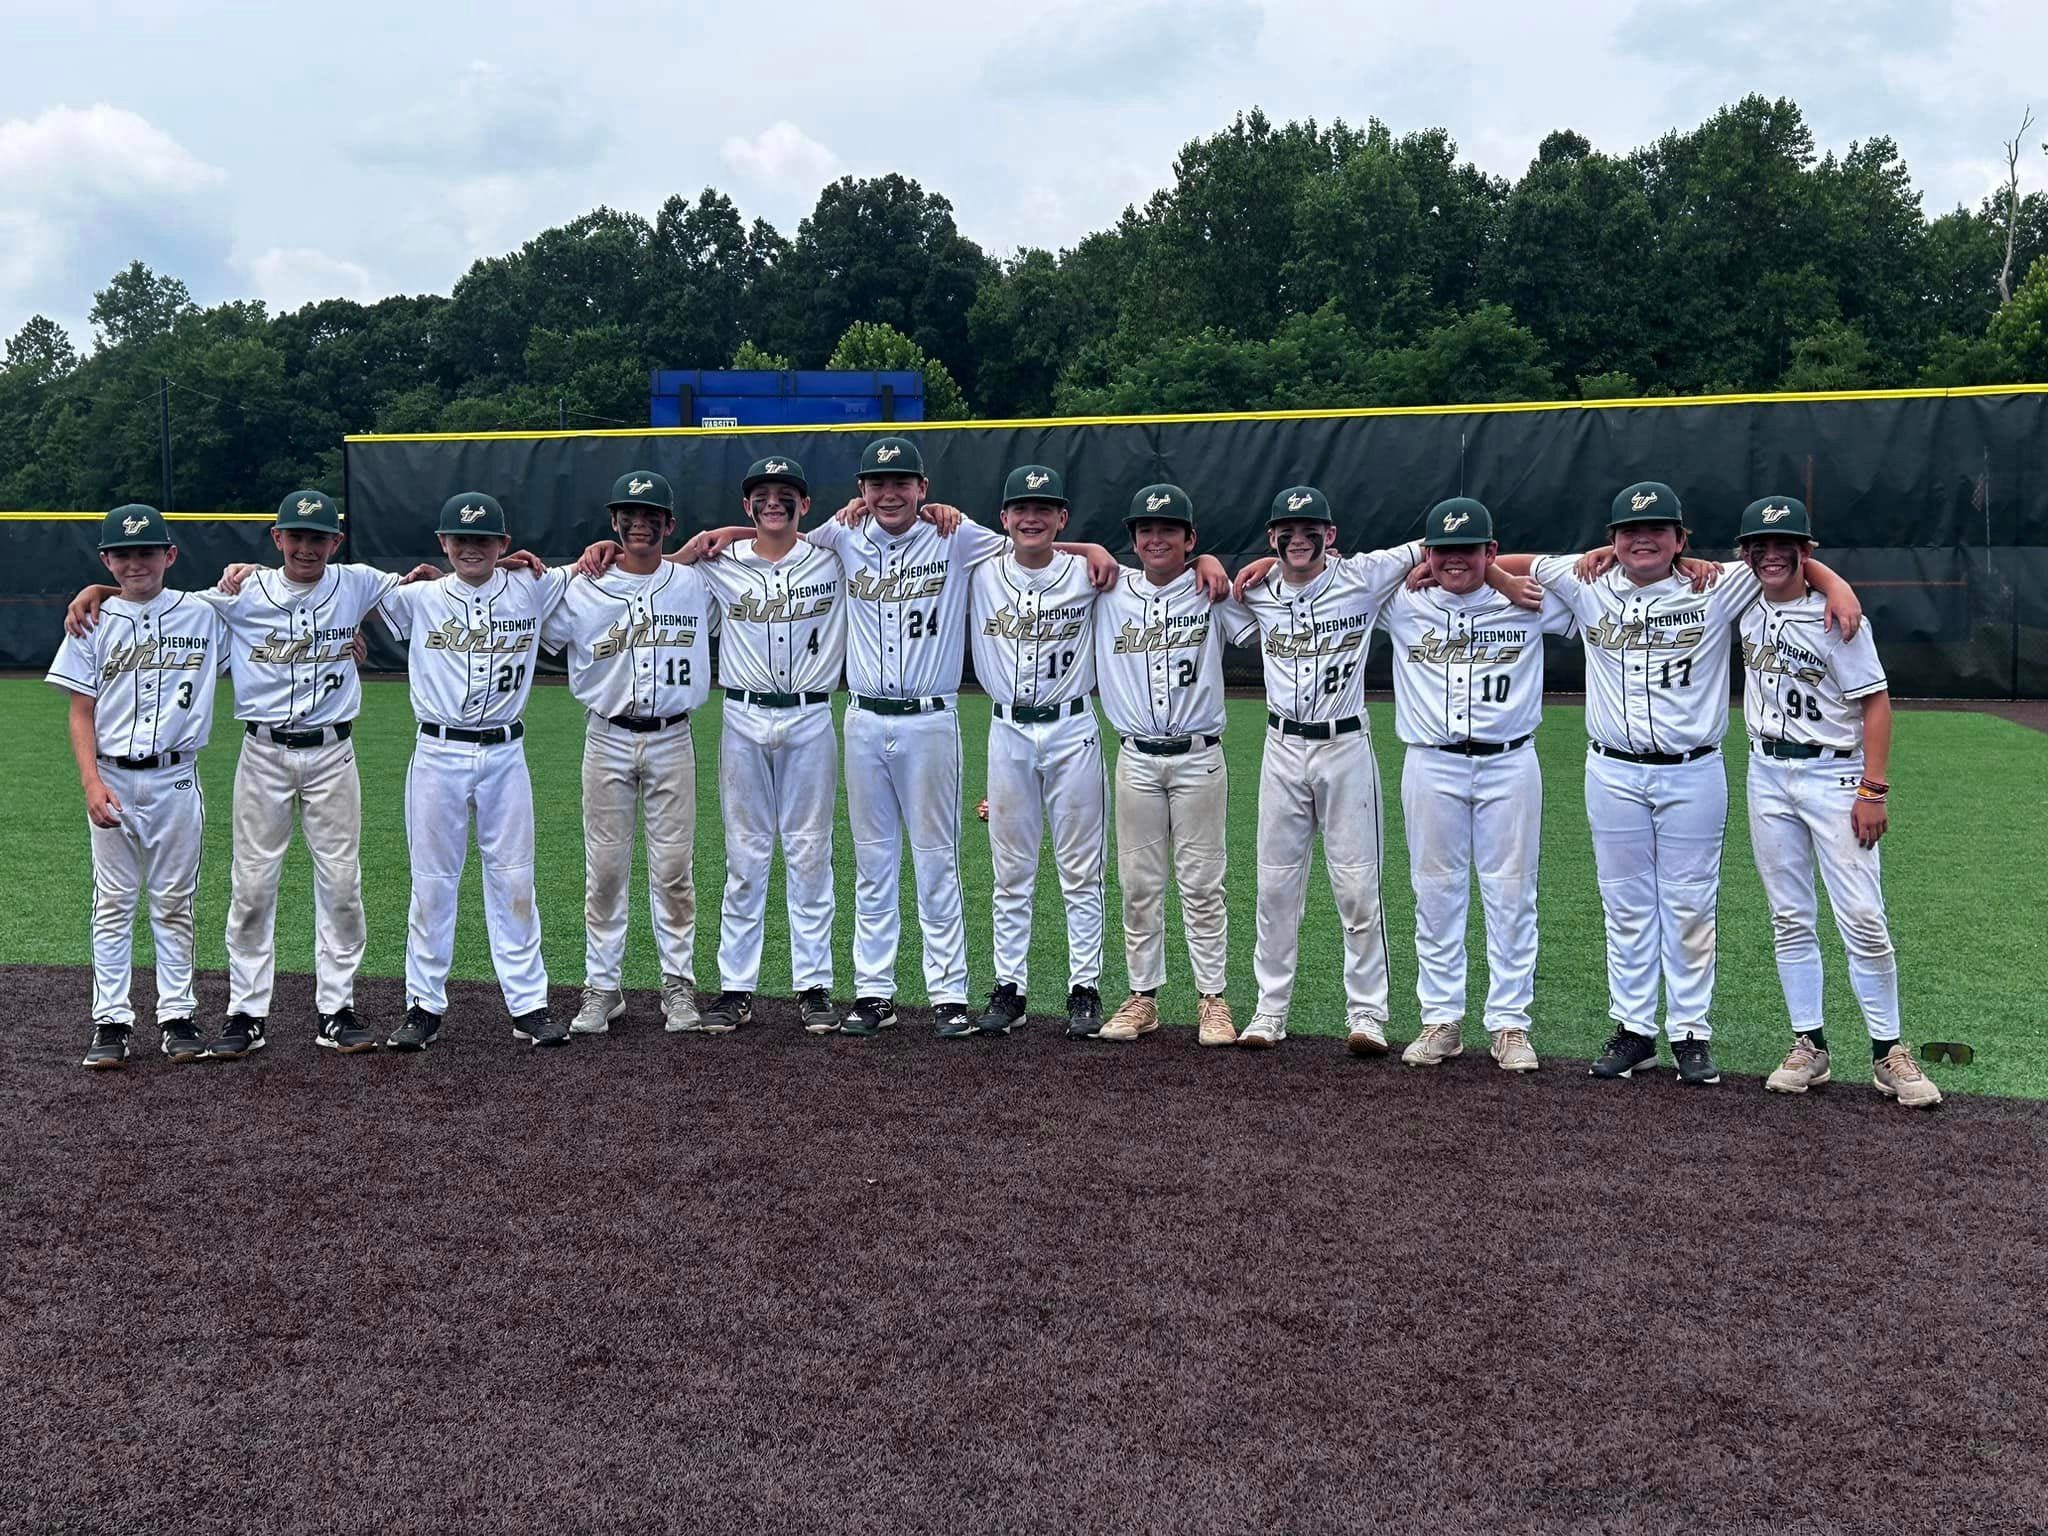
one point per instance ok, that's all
(768, 1282)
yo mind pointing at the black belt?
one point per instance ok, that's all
(1483, 748)
(646, 725)
(776, 700)
(1169, 746)
(318, 736)
(1654, 759)
(1770, 746)
(491, 736)
(1315, 730)
(1039, 714)
(896, 706)
(159, 760)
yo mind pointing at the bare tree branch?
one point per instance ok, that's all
(2012, 203)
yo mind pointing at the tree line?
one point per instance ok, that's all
(1288, 265)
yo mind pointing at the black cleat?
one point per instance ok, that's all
(181, 1041)
(1626, 1053)
(242, 1036)
(339, 1032)
(868, 1017)
(954, 1023)
(819, 1016)
(1005, 1008)
(540, 1028)
(420, 1030)
(1084, 1013)
(109, 1046)
(1695, 1063)
(727, 1014)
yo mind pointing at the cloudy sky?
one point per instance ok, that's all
(298, 152)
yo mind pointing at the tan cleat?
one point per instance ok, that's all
(1138, 1016)
(1213, 1025)
(1512, 1051)
(1265, 1031)
(1437, 1044)
(1898, 1076)
(1368, 1036)
(1804, 1067)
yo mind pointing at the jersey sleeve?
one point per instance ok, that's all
(400, 606)
(1384, 570)
(1238, 625)
(367, 587)
(554, 586)
(559, 627)
(977, 543)
(1556, 574)
(1734, 592)
(75, 668)
(1556, 616)
(831, 534)
(1855, 664)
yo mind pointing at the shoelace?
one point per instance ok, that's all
(1512, 1039)
(593, 995)
(1617, 1042)
(1802, 1056)
(1902, 1066)
(815, 999)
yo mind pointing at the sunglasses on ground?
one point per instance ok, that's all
(1953, 1052)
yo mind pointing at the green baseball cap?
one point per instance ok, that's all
(1647, 501)
(1161, 503)
(891, 456)
(1461, 520)
(1300, 503)
(472, 512)
(314, 510)
(135, 527)
(777, 466)
(1035, 482)
(642, 488)
(1778, 516)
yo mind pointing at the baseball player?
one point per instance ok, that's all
(472, 637)
(291, 633)
(1468, 696)
(638, 640)
(1159, 663)
(1819, 717)
(1314, 616)
(141, 686)
(1034, 652)
(1657, 659)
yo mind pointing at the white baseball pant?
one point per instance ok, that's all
(155, 849)
(1332, 787)
(1657, 832)
(1463, 812)
(1050, 771)
(628, 776)
(903, 771)
(1179, 807)
(446, 784)
(321, 786)
(778, 779)
(1799, 812)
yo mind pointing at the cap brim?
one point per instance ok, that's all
(1455, 541)
(140, 544)
(644, 506)
(304, 526)
(803, 487)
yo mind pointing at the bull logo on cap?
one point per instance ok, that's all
(133, 525)
(774, 467)
(886, 454)
(1456, 521)
(1775, 514)
(306, 505)
(471, 514)
(1642, 499)
(1154, 503)
(1034, 480)
(639, 487)
(1299, 500)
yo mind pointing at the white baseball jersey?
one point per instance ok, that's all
(1801, 680)
(637, 645)
(783, 622)
(1315, 636)
(1656, 655)
(470, 650)
(149, 669)
(1469, 666)
(906, 624)
(1159, 656)
(291, 654)
(1032, 642)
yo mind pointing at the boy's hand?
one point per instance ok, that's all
(1594, 564)
(84, 613)
(1845, 614)
(1522, 591)
(1869, 820)
(232, 578)
(853, 514)
(599, 558)
(1420, 578)
(102, 806)
(1250, 575)
(1211, 578)
(360, 646)
(942, 516)
(1703, 574)
(524, 560)
(420, 572)
(1103, 569)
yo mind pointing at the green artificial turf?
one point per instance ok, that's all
(1962, 876)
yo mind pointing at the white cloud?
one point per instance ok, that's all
(490, 122)
(286, 277)
(780, 152)
(69, 157)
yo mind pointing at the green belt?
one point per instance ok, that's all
(1039, 714)
(1770, 746)
(896, 706)
(1314, 730)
